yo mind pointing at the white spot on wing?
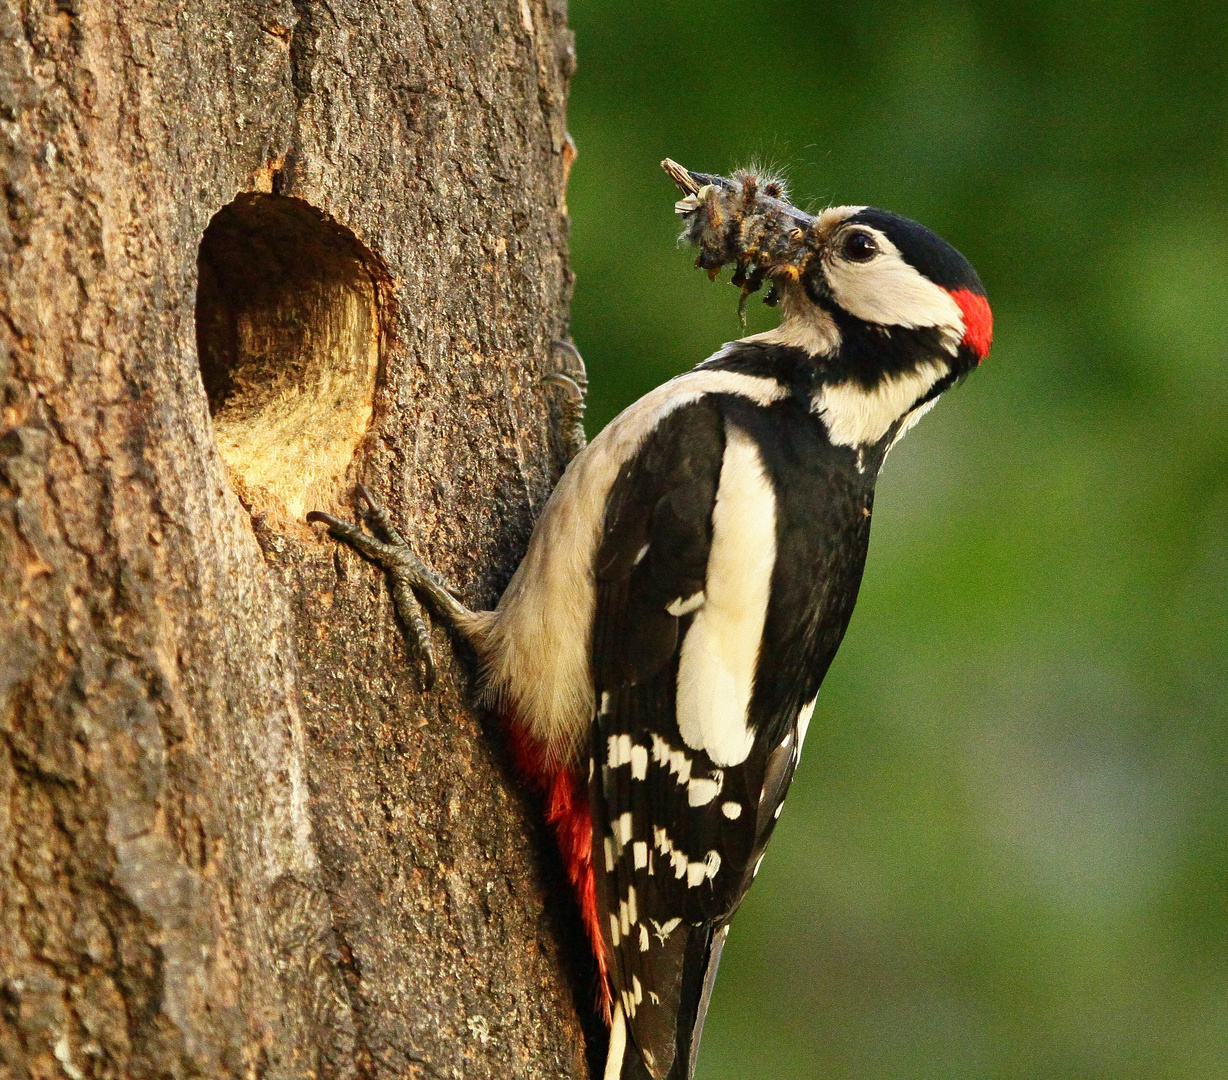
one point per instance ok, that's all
(699, 872)
(716, 668)
(663, 930)
(701, 791)
(615, 938)
(609, 855)
(732, 810)
(643, 938)
(680, 765)
(622, 829)
(639, 851)
(678, 608)
(633, 915)
(639, 762)
(803, 722)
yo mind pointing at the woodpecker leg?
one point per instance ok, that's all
(574, 384)
(410, 576)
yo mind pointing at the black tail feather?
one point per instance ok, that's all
(703, 955)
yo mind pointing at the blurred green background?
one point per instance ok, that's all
(1006, 852)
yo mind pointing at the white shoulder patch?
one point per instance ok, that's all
(855, 416)
(536, 652)
(716, 669)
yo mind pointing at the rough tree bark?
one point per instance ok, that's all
(256, 251)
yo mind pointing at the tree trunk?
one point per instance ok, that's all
(257, 251)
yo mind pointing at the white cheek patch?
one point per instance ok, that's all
(889, 291)
(855, 416)
(716, 668)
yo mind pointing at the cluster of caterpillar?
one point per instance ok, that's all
(744, 221)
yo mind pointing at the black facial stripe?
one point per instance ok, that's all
(869, 353)
(923, 249)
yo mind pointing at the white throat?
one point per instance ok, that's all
(803, 325)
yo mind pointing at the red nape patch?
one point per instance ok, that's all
(567, 809)
(978, 321)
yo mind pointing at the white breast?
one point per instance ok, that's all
(716, 669)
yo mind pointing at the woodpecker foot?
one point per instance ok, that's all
(389, 550)
(574, 384)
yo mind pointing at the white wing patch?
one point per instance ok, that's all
(716, 669)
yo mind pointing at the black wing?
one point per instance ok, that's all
(676, 839)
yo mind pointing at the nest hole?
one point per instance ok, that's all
(289, 336)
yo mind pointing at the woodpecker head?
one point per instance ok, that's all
(871, 295)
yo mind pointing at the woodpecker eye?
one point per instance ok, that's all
(859, 247)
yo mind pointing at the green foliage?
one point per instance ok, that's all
(1006, 853)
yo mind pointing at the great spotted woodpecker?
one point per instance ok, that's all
(658, 652)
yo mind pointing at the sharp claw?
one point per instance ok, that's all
(325, 519)
(388, 550)
(579, 373)
(566, 383)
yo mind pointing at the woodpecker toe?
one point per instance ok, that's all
(574, 384)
